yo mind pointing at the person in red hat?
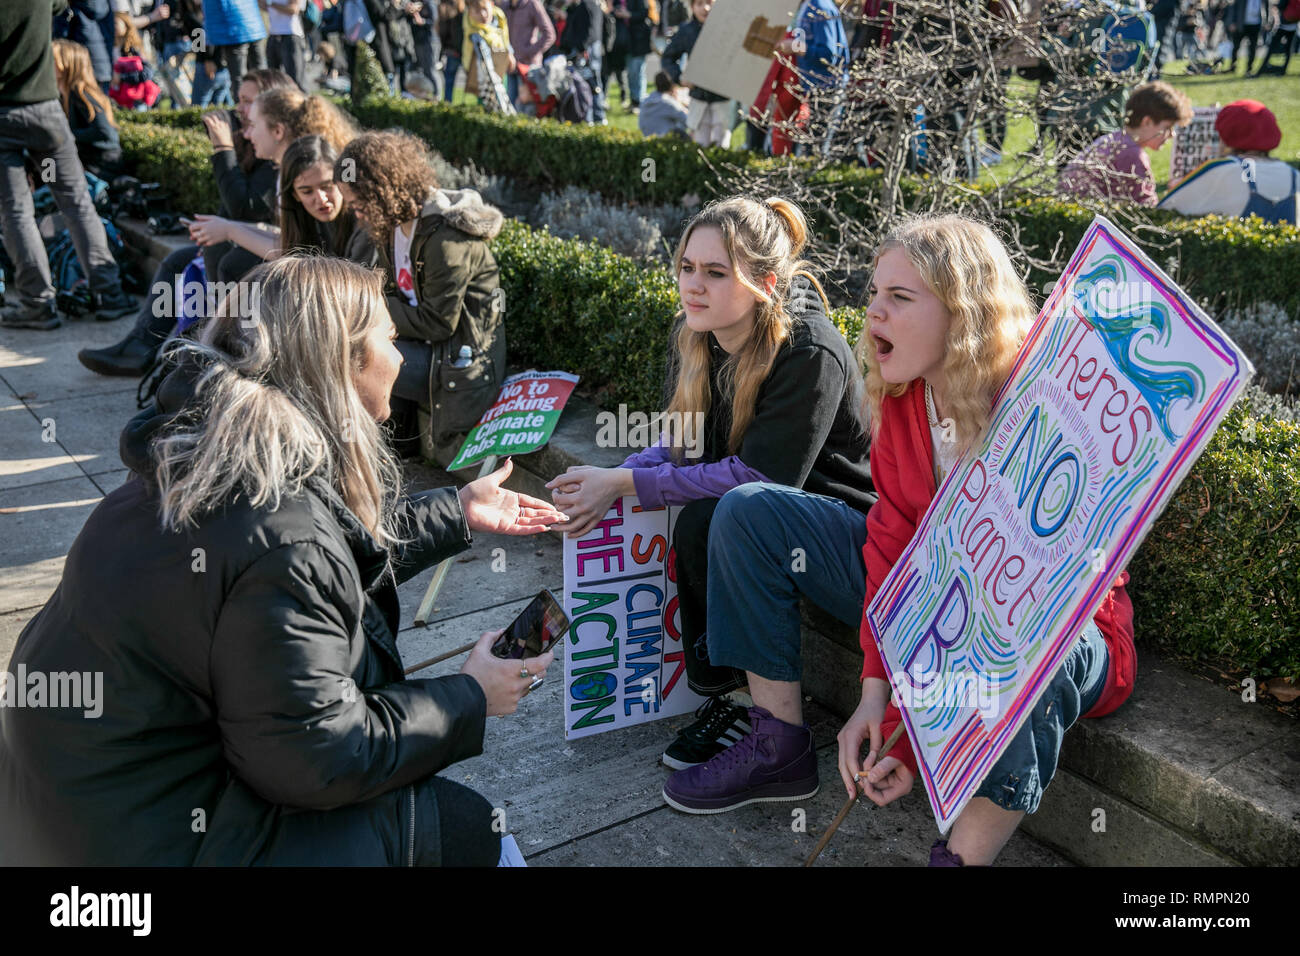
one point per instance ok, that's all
(1244, 181)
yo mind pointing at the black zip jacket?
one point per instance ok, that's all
(250, 671)
(807, 431)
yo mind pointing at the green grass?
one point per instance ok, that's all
(1281, 94)
(1278, 93)
(618, 117)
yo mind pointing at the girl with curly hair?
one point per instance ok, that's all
(763, 389)
(946, 320)
(443, 286)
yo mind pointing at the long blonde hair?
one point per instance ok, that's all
(761, 238)
(74, 75)
(968, 269)
(277, 406)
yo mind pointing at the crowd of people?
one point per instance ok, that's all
(264, 687)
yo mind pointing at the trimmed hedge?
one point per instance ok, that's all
(1212, 255)
(1217, 580)
(176, 158)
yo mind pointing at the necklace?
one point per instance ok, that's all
(947, 425)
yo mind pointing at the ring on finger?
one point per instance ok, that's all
(525, 672)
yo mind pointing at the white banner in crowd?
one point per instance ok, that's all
(1196, 143)
(1119, 386)
(624, 663)
(732, 55)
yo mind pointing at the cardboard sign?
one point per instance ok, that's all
(520, 420)
(734, 49)
(1198, 142)
(1118, 387)
(625, 663)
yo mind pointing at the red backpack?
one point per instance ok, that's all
(1291, 12)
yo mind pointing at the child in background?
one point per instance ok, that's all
(770, 391)
(947, 317)
(662, 112)
(1115, 167)
(90, 112)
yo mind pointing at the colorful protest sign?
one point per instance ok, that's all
(1198, 142)
(1118, 387)
(625, 663)
(520, 420)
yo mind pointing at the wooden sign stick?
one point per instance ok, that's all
(848, 804)
(440, 575)
(441, 657)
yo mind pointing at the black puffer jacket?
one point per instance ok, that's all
(250, 671)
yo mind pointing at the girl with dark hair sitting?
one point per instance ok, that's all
(312, 216)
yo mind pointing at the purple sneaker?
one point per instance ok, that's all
(774, 762)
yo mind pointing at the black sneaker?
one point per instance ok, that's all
(40, 316)
(113, 305)
(720, 724)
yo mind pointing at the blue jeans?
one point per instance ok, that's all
(771, 544)
(449, 70)
(636, 79)
(595, 55)
(213, 92)
(413, 377)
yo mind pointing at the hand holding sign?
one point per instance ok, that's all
(496, 510)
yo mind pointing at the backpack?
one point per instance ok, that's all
(1291, 12)
(68, 277)
(357, 27)
(575, 103)
(313, 12)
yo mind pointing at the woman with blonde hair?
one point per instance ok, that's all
(763, 389)
(946, 320)
(89, 110)
(239, 596)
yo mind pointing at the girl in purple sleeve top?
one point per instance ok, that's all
(1115, 167)
(763, 389)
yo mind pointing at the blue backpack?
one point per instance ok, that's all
(72, 290)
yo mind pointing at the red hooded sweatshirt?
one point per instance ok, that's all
(902, 470)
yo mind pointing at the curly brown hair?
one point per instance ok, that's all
(302, 115)
(390, 177)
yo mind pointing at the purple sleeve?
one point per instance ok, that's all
(654, 455)
(668, 484)
(1134, 164)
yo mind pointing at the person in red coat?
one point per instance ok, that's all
(947, 318)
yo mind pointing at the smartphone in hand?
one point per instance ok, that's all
(535, 631)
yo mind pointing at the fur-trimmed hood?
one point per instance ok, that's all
(464, 209)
